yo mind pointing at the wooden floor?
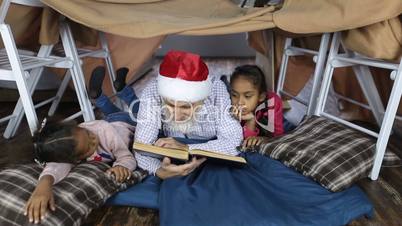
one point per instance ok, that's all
(385, 193)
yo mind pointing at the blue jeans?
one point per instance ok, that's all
(112, 112)
(287, 126)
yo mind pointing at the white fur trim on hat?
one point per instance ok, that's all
(182, 90)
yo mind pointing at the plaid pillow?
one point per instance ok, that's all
(331, 154)
(86, 187)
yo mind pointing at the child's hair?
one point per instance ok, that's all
(55, 143)
(252, 73)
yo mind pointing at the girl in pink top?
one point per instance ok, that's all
(259, 111)
(59, 146)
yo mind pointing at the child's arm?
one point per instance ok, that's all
(40, 200)
(42, 196)
(278, 114)
(250, 129)
(123, 157)
(57, 170)
(253, 141)
(124, 163)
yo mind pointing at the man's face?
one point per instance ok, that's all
(181, 111)
(179, 115)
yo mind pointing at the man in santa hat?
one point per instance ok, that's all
(185, 108)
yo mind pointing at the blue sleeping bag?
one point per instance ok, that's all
(265, 192)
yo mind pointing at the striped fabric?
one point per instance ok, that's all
(86, 187)
(333, 155)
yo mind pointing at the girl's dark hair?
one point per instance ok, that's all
(252, 73)
(55, 143)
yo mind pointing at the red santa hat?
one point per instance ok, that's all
(183, 76)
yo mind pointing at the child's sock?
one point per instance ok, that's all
(120, 81)
(96, 81)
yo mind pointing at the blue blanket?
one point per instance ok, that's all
(265, 192)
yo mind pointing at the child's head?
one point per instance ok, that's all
(248, 87)
(64, 142)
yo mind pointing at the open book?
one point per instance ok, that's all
(184, 155)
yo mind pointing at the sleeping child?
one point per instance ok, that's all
(259, 111)
(59, 146)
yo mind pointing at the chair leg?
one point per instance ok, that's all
(327, 77)
(388, 121)
(76, 72)
(318, 72)
(108, 59)
(60, 92)
(284, 66)
(370, 91)
(18, 112)
(19, 74)
(109, 66)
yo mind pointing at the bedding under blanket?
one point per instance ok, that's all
(265, 192)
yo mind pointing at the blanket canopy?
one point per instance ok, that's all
(151, 18)
(207, 17)
(137, 27)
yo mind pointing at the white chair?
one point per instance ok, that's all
(318, 57)
(360, 65)
(70, 52)
(362, 73)
(102, 53)
(24, 68)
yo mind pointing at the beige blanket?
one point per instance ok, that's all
(196, 17)
(318, 16)
(372, 32)
(191, 17)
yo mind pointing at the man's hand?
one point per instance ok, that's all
(168, 169)
(253, 141)
(121, 173)
(170, 142)
(40, 200)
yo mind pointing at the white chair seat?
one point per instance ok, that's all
(30, 62)
(99, 53)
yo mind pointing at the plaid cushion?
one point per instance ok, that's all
(86, 187)
(333, 155)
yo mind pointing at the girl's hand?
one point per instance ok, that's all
(236, 112)
(121, 173)
(249, 117)
(40, 200)
(253, 141)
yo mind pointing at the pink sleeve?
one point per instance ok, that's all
(57, 170)
(250, 133)
(278, 120)
(123, 156)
